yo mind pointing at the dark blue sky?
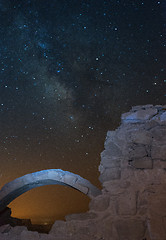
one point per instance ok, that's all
(68, 70)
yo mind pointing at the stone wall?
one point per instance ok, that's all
(133, 173)
(132, 205)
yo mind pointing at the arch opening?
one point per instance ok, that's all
(46, 204)
(17, 187)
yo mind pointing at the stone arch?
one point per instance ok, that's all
(17, 187)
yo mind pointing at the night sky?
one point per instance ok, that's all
(68, 70)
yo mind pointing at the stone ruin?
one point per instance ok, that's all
(132, 205)
(20, 185)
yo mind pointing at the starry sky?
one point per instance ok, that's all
(68, 70)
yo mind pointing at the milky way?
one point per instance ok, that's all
(68, 70)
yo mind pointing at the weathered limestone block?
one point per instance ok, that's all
(127, 173)
(113, 150)
(3, 237)
(76, 229)
(81, 216)
(137, 108)
(100, 203)
(26, 235)
(50, 237)
(118, 137)
(17, 230)
(122, 135)
(159, 134)
(107, 229)
(160, 118)
(58, 228)
(91, 230)
(69, 179)
(157, 163)
(141, 137)
(158, 152)
(137, 151)
(149, 177)
(142, 202)
(113, 206)
(5, 228)
(156, 228)
(81, 188)
(110, 174)
(163, 117)
(145, 162)
(157, 204)
(110, 137)
(139, 116)
(116, 187)
(130, 229)
(127, 203)
(109, 161)
(101, 169)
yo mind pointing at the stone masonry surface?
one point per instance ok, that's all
(132, 205)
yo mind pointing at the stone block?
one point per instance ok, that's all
(69, 179)
(81, 188)
(55, 175)
(110, 174)
(157, 163)
(157, 205)
(142, 202)
(112, 150)
(110, 136)
(150, 124)
(117, 137)
(160, 118)
(139, 107)
(137, 151)
(110, 162)
(58, 227)
(5, 237)
(145, 177)
(158, 152)
(142, 163)
(113, 206)
(122, 134)
(107, 229)
(159, 134)
(130, 229)
(156, 228)
(26, 235)
(100, 203)
(139, 116)
(141, 137)
(127, 173)
(81, 216)
(163, 116)
(126, 203)
(101, 168)
(116, 187)
(18, 230)
(5, 228)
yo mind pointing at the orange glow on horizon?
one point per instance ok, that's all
(35, 204)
